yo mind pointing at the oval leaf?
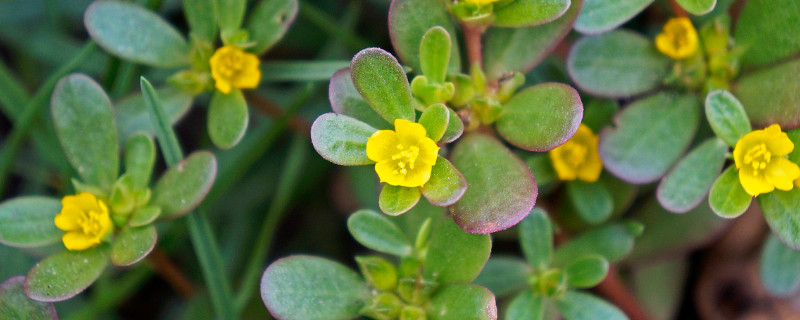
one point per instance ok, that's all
(756, 27)
(587, 272)
(781, 212)
(521, 49)
(341, 139)
(375, 231)
(84, 122)
(435, 119)
(65, 274)
(698, 7)
(599, 16)
(408, 22)
(592, 201)
(200, 18)
(230, 14)
(526, 305)
(184, 185)
(133, 244)
(727, 117)
(576, 305)
(779, 269)
(131, 113)
(650, 136)
(396, 200)
(29, 222)
(501, 189)
(727, 197)
(450, 246)
(446, 185)
(305, 287)
(133, 33)
(462, 301)
(611, 241)
(15, 305)
(346, 100)
(504, 275)
(616, 64)
(541, 117)
(771, 96)
(688, 183)
(536, 239)
(382, 82)
(227, 119)
(140, 157)
(525, 13)
(455, 128)
(268, 22)
(434, 50)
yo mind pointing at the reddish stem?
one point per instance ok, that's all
(679, 11)
(164, 267)
(612, 289)
(296, 124)
(472, 35)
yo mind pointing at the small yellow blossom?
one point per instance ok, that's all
(85, 220)
(679, 39)
(578, 157)
(404, 156)
(480, 2)
(760, 157)
(233, 68)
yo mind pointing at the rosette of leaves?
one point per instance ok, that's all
(653, 132)
(548, 282)
(135, 34)
(425, 279)
(84, 122)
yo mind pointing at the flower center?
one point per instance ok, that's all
(90, 223)
(230, 64)
(405, 158)
(757, 157)
(575, 154)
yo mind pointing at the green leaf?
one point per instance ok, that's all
(780, 210)
(396, 200)
(341, 139)
(526, 305)
(616, 64)
(521, 49)
(698, 7)
(346, 100)
(305, 287)
(525, 13)
(599, 16)
(268, 23)
(536, 239)
(622, 192)
(65, 274)
(227, 118)
(184, 185)
(200, 17)
(779, 268)
(434, 51)
(140, 157)
(144, 216)
(462, 301)
(131, 114)
(541, 117)
(598, 113)
(612, 241)
(592, 201)
(651, 134)
(576, 305)
(408, 22)
(504, 275)
(85, 126)
(543, 172)
(587, 272)
(756, 30)
(435, 119)
(727, 117)
(382, 82)
(770, 95)
(133, 33)
(230, 14)
(375, 231)
(689, 181)
(659, 286)
(29, 222)
(451, 246)
(501, 187)
(15, 305)
(133, 244)
(455, 128)
(673, 234)
(446, 185)
(727, 197)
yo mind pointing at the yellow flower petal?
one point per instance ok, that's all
(86, 220)
(382, 145)
(778, 142)
(781, 173)
(231, 67)
(578, 157)
(679, 39)
(409, 132)
(76, 240)
(754, 184)
(68, 218)
(405, 156)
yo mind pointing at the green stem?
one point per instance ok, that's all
(328, 24)
(126, 74)
(202, 237)
(291, 172)
(32, 110)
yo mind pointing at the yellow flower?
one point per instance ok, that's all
(233, 68)
(679, 39)
(578, 157)
(404, 156)
(760, 157)
(480, 2)
(85, 220)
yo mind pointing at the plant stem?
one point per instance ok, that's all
(31, 111)
(615, 291)
(202, 237)
(291, 172)
(679, 11)
(296, 124)
(161, 263)
(472, 36)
